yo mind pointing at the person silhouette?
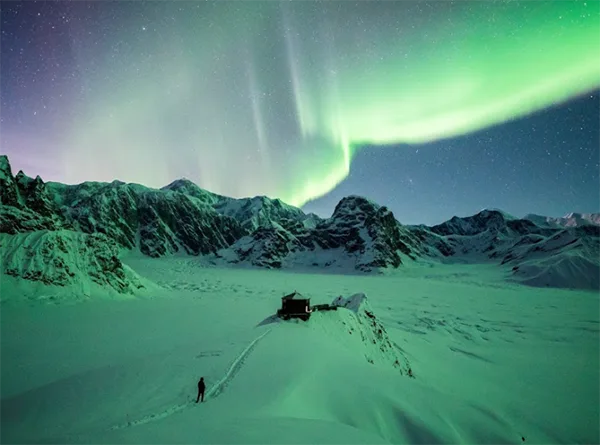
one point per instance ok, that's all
(201, 389)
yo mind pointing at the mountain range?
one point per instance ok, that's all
(61, 234)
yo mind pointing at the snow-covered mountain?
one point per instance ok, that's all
(569, 220)
(360, 235)
(363, 235)
(539, 254)
(65, 257)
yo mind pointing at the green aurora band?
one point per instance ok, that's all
(284, 119)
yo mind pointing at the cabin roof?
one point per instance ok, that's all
(294, 296)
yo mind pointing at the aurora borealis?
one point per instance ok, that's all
(274, 98)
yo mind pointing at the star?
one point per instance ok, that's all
(312, 100)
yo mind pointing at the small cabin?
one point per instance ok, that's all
(294, 305)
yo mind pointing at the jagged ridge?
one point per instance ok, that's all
(266, 232)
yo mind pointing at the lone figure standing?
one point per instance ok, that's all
(201, 389)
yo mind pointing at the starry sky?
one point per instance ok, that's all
(434, 109)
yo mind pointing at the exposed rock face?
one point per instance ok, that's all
(14, 220)
(35, 194)
(187, 187)
(486, 220)
(361, 230)
(260, 211)
(25, 203)
(9, 193)
(64, 257)
(365, 228)
(158, 222)
(179, 220)
(266, 247)
(263, 232)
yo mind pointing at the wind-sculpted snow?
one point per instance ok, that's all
(484, 354)
(358, 319)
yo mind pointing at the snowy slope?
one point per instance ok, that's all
(539, 255)
(66, 258)
(570, 258)
(569, 220)
(157, 222)
(261, 232)
(364, 235)
(187, 187)
(24, 203)
(493, 363)
(261, 211)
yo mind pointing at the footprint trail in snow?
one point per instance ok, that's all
(213, 392)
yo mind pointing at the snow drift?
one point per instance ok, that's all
(356, 326)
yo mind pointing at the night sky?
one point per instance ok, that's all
(433, 109)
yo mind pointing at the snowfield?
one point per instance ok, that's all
(493, 361)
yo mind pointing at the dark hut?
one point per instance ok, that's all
(294, 305)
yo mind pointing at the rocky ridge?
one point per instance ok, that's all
(263, 232)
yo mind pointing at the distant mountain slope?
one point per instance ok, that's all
(360, 235)
(569, 258)
(64, 257)
(261, 211)
(547, 255)
(569, 220)
(365, 235)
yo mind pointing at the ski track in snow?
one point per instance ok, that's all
(213, 392)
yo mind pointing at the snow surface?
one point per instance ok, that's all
(572, 219)
(493, 361)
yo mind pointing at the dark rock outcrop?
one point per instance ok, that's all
(35, 195)
(361, 230)
(9, 193)
(65, 257)
(261, 211)
(158, 222)
(268, 233)
(363, 227)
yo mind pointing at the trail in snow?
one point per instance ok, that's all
(213, 392)
(220, 386)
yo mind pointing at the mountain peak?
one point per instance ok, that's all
(9, 193)
(5, 169)
(179, 184)
(470, 225)
(494, 212)
(187, 187)
(354, 204)
(572, 219)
